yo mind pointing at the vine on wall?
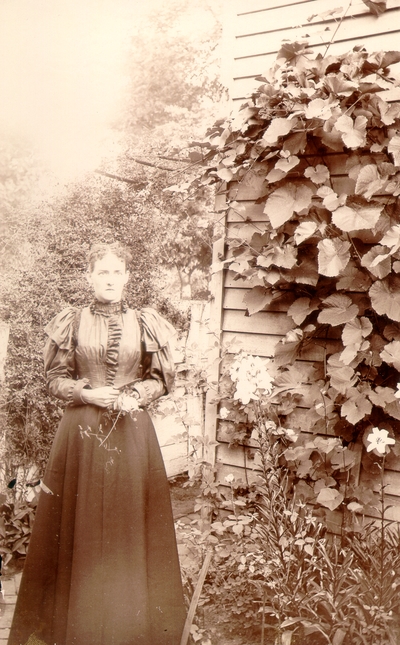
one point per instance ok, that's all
(329, 249)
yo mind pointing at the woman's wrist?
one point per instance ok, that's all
(86, 394)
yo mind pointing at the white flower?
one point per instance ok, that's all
(223, 413)
(230, 478)
(251, 377)
(291, 434)
(126, 403)
(378, 440)
(397, 394)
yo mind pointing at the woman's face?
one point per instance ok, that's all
(108, 278)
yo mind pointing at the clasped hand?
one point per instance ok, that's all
(103, 397)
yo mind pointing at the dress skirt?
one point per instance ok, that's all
(102, 567)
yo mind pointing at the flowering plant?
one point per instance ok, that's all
(251, 377)
(380, 441)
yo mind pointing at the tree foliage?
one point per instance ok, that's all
(173, 63)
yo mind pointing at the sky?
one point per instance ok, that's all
(61, 75)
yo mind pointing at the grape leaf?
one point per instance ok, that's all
(357, 216)
(393, 408)
(369, 181)
(333, 256)
(394, 149)
(381, 396)
(385, 297)
(318, 175)
(284, 201)
(284, 257)
(330, 498)
(377, 261)
(282, 167)
(295, 143)
(332, 139)
(320, 109)
(341, 376)
(389, 113)
(305, 273)
(356, 330)
(325, 445)
(225, 174)
(277, 128)
(353, 279)
(353, 132)
(301, 308)
(392, 238)
(356, 407)
(339, 85)
(343, 458)
(391, 332)
(275, 175)
(393, 186)
(330, 199)
(339, 309)
(242, 118)
(287, 352)
(389, 58)
(377, 7)
(287, 164)
(349, 353)
(240, 266)
(304, 231)
(257, 299)
(305, 468)
(391, 354)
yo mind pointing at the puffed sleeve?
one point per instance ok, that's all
(59, 358)
(158, 363)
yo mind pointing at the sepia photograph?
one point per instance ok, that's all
(199, 322)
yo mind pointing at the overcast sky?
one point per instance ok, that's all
(61, 74)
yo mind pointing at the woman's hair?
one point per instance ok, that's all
(98, 251)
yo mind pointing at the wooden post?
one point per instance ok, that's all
(196, 357)
(215, 327)
(4, 334)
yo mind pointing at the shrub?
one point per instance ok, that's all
(60, 235)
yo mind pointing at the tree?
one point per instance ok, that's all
(173, 63)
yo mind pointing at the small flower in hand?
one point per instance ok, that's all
(378, 440)
(126, 403)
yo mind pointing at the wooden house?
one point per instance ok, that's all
(255, 31)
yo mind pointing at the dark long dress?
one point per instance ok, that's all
(102, 567)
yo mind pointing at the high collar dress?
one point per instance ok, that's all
(102, 565)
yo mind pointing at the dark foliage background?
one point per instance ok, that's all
(54, 277)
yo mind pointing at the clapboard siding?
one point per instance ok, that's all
(264, 345)
(300, 13)
(270, 40)
(259, 6)
(260, 28)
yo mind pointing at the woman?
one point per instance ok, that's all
(102, 567)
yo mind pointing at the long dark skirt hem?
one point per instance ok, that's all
(102, 567)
